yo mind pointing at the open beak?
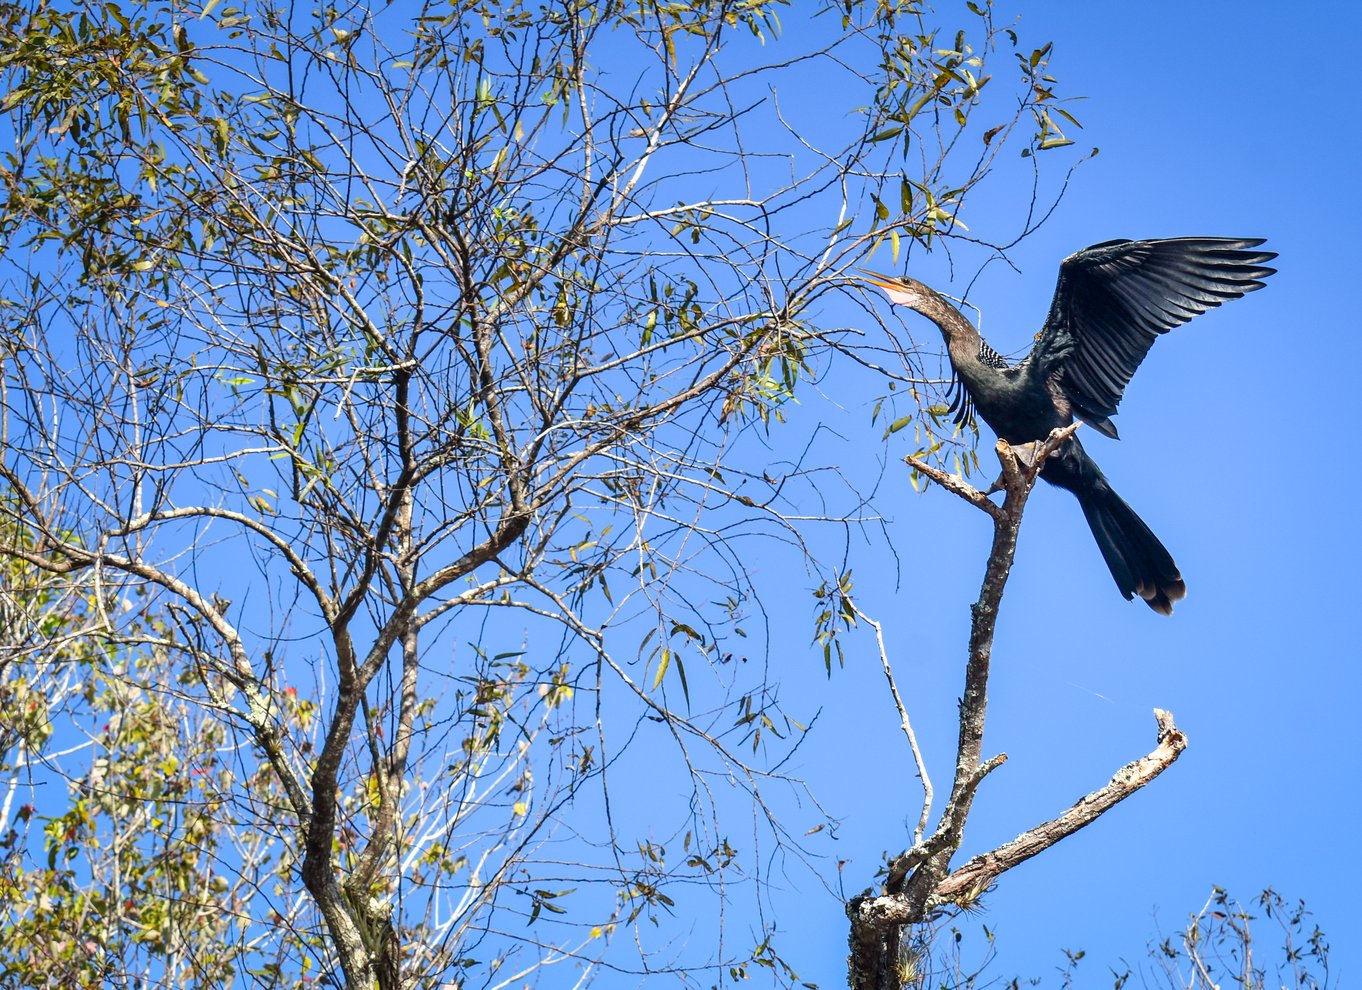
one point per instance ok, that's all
(901, 292)
(883, 281)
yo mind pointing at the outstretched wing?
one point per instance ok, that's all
(1113, 299)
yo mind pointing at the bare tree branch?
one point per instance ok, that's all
(920, 881)
(979, 873)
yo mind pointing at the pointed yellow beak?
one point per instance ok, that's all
(883, 281)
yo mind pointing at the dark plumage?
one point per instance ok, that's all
(1112, 300)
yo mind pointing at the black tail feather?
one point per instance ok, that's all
(1140, 564)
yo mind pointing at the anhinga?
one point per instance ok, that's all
(1113, 299)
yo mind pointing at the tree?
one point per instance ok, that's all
(131, 821)
(893, 928)
(336, 340)
(1221, 947)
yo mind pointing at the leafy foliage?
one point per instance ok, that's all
(333, 338)
(1223, 946)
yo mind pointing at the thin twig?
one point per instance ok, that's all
(954, 484)
(906, 723)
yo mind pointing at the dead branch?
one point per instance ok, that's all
(981, 871)
(920, 880)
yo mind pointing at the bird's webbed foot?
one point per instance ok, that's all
(1026, 454)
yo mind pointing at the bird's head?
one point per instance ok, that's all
(928, 302)
(901, 291)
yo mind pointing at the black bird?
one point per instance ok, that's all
(1113, 299)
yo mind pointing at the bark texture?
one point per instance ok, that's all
(920, 880)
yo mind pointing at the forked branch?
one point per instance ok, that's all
(920, 880)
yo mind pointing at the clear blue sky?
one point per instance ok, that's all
(1238, 448)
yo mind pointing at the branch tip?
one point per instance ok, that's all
(1169, 734)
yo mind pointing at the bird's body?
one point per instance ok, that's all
(1111, 302)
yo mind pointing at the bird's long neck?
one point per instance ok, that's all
(967, 348)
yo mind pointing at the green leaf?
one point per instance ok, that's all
(1067, 116)
(681, 673)
(664, 661)
(687, 631)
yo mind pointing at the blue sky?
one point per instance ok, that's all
(1212, 119)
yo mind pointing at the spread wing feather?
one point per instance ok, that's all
(1115, 298)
